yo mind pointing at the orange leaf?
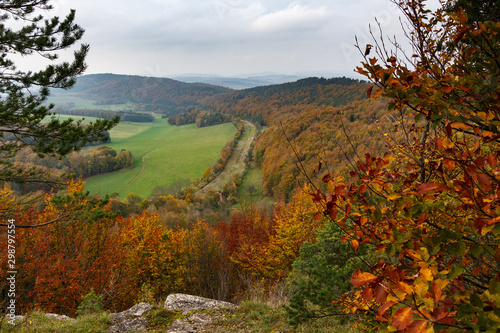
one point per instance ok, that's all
(417, 326)
(384, 307)
(447, 90)
(361, 278)
(355, 244)
(369, 92)
(402, 318)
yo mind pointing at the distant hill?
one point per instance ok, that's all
(161, 95)
(239, 82)
(308, 121)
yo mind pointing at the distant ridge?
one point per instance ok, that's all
(239, 82)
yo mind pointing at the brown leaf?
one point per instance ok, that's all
(367, 49)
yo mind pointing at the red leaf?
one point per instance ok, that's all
(369, 92)
(492, 160)
(402, 318)
(368, 294)
(361, 278)
(380, 294)
(429, 187)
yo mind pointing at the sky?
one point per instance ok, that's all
(165, 38)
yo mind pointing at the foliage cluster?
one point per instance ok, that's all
(74, 244)
(429, 206)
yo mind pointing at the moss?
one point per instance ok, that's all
(159, 318)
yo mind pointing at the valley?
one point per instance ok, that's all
(162, 155)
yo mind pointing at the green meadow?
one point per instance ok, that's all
(83, 103)
(162, 154)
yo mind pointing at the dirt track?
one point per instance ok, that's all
(236, 163)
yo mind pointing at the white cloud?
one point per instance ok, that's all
(294, 17)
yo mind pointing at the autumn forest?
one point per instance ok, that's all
(374, 201)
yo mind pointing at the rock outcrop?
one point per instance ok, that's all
(187, 303)
(130, 320)
(193, 323)
(133, 319)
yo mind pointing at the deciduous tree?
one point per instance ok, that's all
(430, 205)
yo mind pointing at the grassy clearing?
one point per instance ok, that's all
(257, 316)
(251, 185)
(251, 316)
(83, 103)
(37, 322)
(170, 153)
(121, 131)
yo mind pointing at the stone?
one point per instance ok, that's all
(194, 323)
(130, 320)
(187, 303)
(135, 311)
(136, 325)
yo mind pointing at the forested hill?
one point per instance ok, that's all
(261, 103)
(323, 119)
(328, 120)
(161, 95)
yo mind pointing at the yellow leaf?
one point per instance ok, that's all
(425, 274)
(393, 196)
(447, 143)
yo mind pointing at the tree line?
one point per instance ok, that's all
(106, 114)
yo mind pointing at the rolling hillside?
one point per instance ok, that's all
(328, 120)
(161, 95)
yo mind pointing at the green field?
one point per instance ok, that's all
(170, 153)
(83, 103)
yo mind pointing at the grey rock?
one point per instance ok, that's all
(130, 320)
(135, 311)
(136, 324)
(194, 323)
(187, 303)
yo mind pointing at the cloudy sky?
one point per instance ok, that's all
(227, 37)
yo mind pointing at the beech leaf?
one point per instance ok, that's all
(402, 318)
(429, 187)
(361, 278)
